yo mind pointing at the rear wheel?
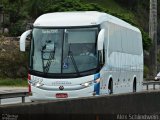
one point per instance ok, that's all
(110, 86)
(134, 85)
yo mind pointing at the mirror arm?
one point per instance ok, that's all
(23, 39)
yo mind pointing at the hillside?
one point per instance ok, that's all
(114, 8)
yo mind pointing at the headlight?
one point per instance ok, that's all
(36, 83)
(87, 84)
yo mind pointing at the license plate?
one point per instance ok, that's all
(61, 95)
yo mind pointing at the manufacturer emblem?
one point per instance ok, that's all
(61, 87)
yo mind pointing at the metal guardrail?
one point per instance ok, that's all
(154, 83)
(5, 95)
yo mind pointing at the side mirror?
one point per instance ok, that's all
(23, 40)
(100, 39)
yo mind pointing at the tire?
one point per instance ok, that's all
(110, 86)
(134, 86)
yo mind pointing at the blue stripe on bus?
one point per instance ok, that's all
(96, 85)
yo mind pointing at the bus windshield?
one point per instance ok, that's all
(64, 50)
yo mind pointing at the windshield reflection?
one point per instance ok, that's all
(64, 50)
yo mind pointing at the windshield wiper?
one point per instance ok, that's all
(70, 54)
(49, 60)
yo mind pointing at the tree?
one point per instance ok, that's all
(16, 16)
(35, 7)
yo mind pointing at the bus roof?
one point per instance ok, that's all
(78, 18)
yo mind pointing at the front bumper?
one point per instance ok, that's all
(40, 94)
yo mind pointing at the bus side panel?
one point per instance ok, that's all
(123, 59)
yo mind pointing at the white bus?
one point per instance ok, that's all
(80, 54)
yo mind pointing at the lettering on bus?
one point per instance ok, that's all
(61, 83)
(49, 31)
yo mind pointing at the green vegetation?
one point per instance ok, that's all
(13, 63)
(146, 71)
(112, 7)
(13, 82)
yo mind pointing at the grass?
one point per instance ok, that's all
(19, 82)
